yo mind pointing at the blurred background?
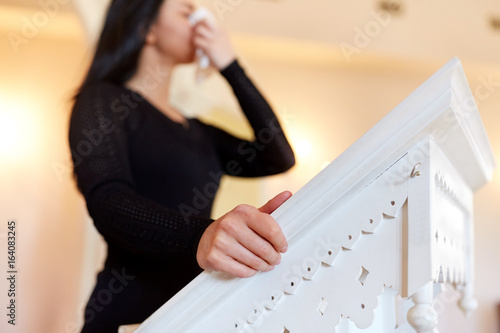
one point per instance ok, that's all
(330, 68)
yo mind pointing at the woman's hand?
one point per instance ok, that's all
(215, 43)
(244, 241)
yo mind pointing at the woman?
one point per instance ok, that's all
(149, 175)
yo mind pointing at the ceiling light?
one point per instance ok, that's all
(495, 22)
(394, 7)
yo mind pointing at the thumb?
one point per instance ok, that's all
(275, 202)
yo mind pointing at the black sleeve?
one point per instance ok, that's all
(99, 139)
(269, 153)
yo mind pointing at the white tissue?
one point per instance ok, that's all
(200, 14)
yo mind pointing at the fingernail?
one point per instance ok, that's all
(270, 268)
(284, 249)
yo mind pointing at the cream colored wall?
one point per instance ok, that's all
(324, 103)
(37, 79)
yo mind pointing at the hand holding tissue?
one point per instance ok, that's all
(213, 45)
(201, 14)
(203, 62)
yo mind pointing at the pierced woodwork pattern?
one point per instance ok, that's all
(340, 276)
(449, 233)
(445, 186)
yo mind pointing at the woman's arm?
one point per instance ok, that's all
(269, 153)
(99, 145)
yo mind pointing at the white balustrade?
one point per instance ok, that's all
(372, 238)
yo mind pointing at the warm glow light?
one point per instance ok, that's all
(303, 148)
(325, 164)
(17, 131)
(10, 132)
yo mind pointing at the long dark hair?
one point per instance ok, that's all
(122, 38)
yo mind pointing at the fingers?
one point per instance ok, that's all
(246, 256)
(270, 230)
(225, 253)
(224, 263)
(201, 43)
(202, 29)
(244, 241)
(260, 254)
(214, 252)
(204, 35)
(235, 268)
(246, 238)
(275, 202)
(215, 43)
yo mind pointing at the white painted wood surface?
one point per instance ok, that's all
(393, 213)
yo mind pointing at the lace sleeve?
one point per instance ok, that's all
(269, 153)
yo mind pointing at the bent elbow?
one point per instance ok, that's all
(288, 161)
(284, 163)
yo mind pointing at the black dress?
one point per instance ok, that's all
(149, 184)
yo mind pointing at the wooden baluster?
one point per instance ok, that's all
(467, 303)
(422, 316)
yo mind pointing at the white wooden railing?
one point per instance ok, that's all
(379, 231)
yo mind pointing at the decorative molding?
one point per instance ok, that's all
(445, 186)
(450, 238)
(348, 229)
(467, 303)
